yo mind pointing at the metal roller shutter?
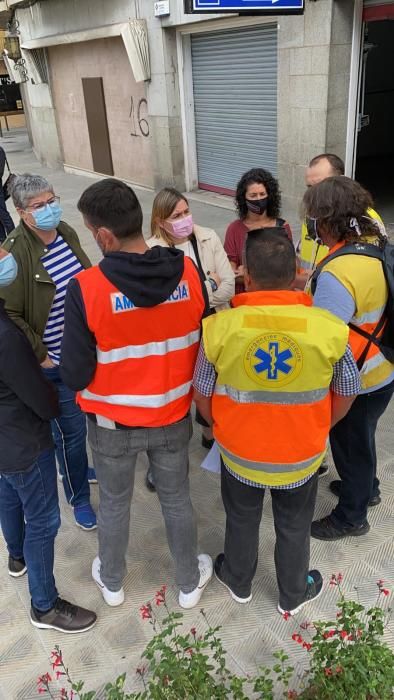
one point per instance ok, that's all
(235, 103)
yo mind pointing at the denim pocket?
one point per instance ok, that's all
(110, 443)
(178, 434)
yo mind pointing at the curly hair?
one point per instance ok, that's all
(341, 206)
(263, 177)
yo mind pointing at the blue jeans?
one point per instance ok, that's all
(69, 434)
(30, 519)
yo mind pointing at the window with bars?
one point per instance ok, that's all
(39, 59)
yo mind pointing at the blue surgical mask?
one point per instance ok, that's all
(48, 218)
(8, 270)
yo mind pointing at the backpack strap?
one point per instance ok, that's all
(367, 249)
(371, 251)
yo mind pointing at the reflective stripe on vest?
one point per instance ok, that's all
(271, 467)
(138, 400)
(274, 358)
(143, 377)
(148, 349)
(282, 398)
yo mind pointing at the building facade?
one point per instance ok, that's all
(222, 93)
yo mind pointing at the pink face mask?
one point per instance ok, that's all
(182, 228)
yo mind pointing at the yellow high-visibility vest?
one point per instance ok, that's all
(274, 355)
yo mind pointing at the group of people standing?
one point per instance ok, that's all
(118, 351)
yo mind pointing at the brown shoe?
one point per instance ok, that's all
(63, 617)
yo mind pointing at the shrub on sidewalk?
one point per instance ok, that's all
(347, 660)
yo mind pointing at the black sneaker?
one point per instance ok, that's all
(335, 488)
(327, 529)
(322, 471)
(16, 567)
(217, 569)
(313, 590)
(63, 617)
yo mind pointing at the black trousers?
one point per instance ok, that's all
(354, 452)
(293, 512)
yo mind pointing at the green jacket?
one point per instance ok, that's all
(29, 299)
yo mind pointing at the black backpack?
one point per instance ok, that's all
(383, 335)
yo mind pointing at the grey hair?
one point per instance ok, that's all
(26, 186)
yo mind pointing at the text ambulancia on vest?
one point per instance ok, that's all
(120, 302)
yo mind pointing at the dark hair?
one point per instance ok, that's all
(270, 258)
(113, 204)
(263, 177)
(340, 205)
(337, 164)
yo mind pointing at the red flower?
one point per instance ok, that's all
(292, 694)
(42, 690)
(146, 611)
(297, 638)
(328, 671)
(193, 631)
(307, 646)
(385, 591)
(336, 579)
(380, 583)
(189, 651)
(286, 615)
(329, 634)
(338, 669)
(161, 596)
(339, 578)
(343, 634)
(59, 674)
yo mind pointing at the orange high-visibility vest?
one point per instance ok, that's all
(274, 356)
(145, 356)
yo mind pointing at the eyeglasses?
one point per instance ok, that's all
(40, 206)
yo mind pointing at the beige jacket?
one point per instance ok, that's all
(213, 259)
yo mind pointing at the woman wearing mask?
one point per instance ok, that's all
(48, 254)
(257, 199)
(172, 225)
(354, 288)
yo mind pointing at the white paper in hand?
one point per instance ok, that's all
(212, 461)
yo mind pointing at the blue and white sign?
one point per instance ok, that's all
(270, 6)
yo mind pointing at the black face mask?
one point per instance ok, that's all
(257, 206)
(311, 227)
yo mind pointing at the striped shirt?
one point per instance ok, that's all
(61, 265)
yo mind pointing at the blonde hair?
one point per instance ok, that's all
(163, 205)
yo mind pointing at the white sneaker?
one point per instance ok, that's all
(112, 598)
(189, 600)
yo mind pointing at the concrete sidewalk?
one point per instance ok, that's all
(250, 632)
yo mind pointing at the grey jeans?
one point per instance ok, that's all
(115, 454)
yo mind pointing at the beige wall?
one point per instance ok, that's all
(104, 58)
